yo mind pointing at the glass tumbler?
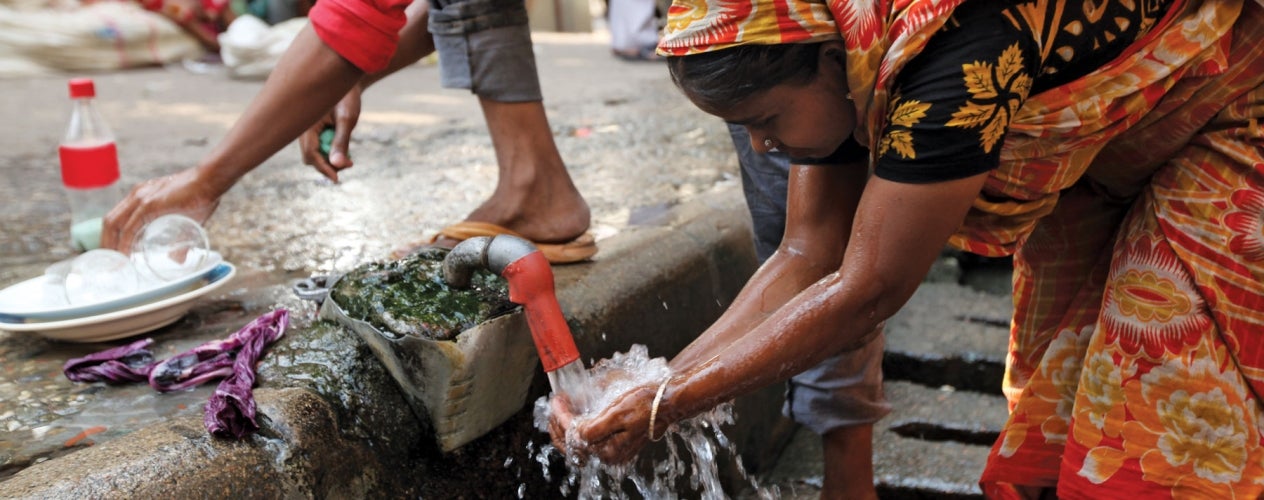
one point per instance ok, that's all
(171, 247)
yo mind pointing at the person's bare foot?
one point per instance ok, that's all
(546, 212)
(534, 194)
(541, 218)
(555, 214)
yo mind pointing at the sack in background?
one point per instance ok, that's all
(250, 48)
(99, 36)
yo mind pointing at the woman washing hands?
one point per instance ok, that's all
(1113, 153)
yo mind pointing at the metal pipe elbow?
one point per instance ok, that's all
(493, 253)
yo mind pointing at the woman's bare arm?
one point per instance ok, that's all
(898, 231)
(821, 203)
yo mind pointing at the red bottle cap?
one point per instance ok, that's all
(81, 88)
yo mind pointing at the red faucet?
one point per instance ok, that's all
(530, 284)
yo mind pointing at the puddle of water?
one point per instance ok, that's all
(44, 415)
(694, 446)
(97, 420)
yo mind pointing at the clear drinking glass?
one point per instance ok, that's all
(100, 275)
(171, 247)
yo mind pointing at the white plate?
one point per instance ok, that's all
(25, 302)
(131, 321)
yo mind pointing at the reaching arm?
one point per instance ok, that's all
(415, 42)
(307, 81)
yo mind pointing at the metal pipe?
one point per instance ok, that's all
(464, 258)
(530, 284)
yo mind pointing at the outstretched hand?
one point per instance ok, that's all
(561, 418)
(181, 192)
(343, 118)
(616, 434)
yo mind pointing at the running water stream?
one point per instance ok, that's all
(694, 446)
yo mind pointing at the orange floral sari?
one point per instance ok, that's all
(1133, 202)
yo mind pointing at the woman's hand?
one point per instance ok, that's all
(561, 418)
(617, 433)
(343, 118)
(182, 192)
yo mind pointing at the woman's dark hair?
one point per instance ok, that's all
(724, 78)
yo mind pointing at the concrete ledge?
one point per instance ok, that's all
(332, 425)
(301, 451)
(336, 425)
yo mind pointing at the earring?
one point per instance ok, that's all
(849, 96)
(768, 143)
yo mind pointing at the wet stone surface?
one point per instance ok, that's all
(46, 415)
(422, 153)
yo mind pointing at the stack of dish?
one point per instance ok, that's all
(26, 307)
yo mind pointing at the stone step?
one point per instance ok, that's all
(935, 441)
(943, 367)
(945, 321)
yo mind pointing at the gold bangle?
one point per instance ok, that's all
(658, 398)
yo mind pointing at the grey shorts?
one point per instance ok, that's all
(485, 46)
(843, 390)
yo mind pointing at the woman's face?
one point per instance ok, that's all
(804, 120)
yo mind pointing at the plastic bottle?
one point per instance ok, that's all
(89, 167)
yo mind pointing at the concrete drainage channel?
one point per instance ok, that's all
(336, 425)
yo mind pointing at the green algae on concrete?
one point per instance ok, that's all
(410, 297)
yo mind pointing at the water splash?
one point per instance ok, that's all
(694, 446)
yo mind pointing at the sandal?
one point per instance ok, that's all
(579, 249)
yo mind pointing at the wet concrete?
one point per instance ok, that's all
(647, 162)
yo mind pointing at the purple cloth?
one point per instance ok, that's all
(126, 363)
(231, 410)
